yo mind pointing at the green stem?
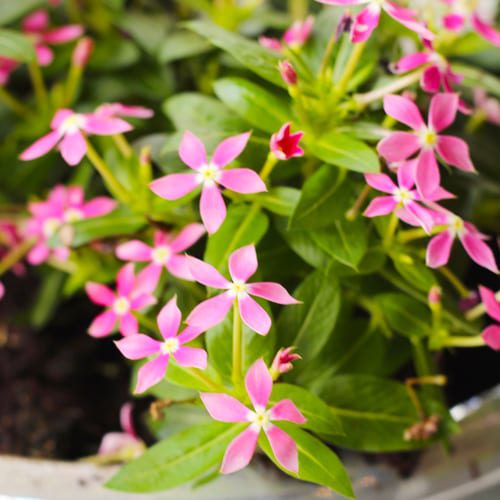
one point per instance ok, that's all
(297, 9)
(74, 78)
(206, 380)
(13, 103)
(454, 281)
(352, 62)
(478, 310)
(38, 84)
(237, 345)
(391, 229)
(16, 254)
(123, 145)
(352, 213)
(327, 56)
(476, 341)
(268, 167)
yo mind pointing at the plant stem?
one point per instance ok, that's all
(123, 145)
(74, 78)
(13, 103)
(391, 229)
(476, 341)
(268, 167)
(415, 234)
(38, 84)
(297, 9)
(454, 281)
(237, 345)
(327, 56)
(16, 254)
(478, 310)
(203, 378)
(352, 213)
(352, 62)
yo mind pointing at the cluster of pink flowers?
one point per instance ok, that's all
(491, 334)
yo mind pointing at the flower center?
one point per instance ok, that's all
(208, 174)
(50, 227)
(161, 255)
(121, 306)
(170, 346)
(260, 418)
(73, 123)
(402, 195)
(457, 225)
(73, 215)
(238, 289)
(428, 138)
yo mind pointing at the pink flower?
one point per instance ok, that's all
(64, 206)
(2, 290)
(133, 294)
(225, 408)
(367, 20)
(209, 175)
(295, 36)
(285, 145)
(242, 265)
(116, 109)
(283, 361)
(489, 106)
(439, 248)
(82, 52)
(36, 26)
(166, 251)
(139, 346)
(7, 66)
(491, 334)
(424, 139)
(68, 134)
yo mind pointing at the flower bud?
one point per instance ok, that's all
(82, 52)
(434, 296)
(283, 360)
(287, 72)
(285, 145)
(344, 25)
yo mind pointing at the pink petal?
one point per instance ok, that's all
(169, 319)
(100, 294)
(403, 16)
(192, 151)
(212, 208)
(491, 335)
(44, 55)
(254, 315)
(453, 22)
(485, 30)
(490, 302)
(151, 373)
(125, 279)
(259, 384)
(144, 300)
(99, 206)
(398, 146)
(38, 254)
(178, 266)
(224, 408)
(188, 334)
(63, 34)
(427, 177)
(135, 251)
(443, 111)
(147, 280)
(364, 23)
(403, 110)
(273, 292)
(41, 146)
(116, 442)
(284, 448)
(138, 346)
(60, 116)
(102, 324)
(286, 410)
(431, 80)
(174, 186)
(479, 251)
(438, 250)
(210, 312)
(455, 151)
(36, 21)
(128, 325)
(73, 148)
(342, 2)
(270, 43)
(97, 125)
(240, 451)
(206, 274)
(229, 149)
(243, 263)
(381, 182)
(242, 180)
(382, 205)
(406, 174)
(412, 61)
(188, 236)
(422, 215)
(191, 357)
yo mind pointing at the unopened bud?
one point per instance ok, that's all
(283, 361)
(423, 430)
(287, 72)
(344, 25)
(82, 52)
(434, 295)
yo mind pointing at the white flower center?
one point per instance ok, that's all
(238, 289)
(161, 255)
(71, 124)
(121, 306)
(457, 226)
(170, 346)
(402, 195)
(208, 174)
(50, 227)
(428, 138)
(260, 418)
(73, 215)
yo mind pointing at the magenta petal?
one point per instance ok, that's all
(405, 17)
(404, 110)
(144, 300)
(100, 294)
(490, 302)
(412, 61)
(38, 254)
(99, 206)
(73, 148)
(259, 384)
(125, 279)
(206, 274)
(242, 180)
(406, 174)
(427, 177)
(169, 319)
(240, 451)
(188, 334)
(443, 110)
(382, 205)
(453, 22)
(135, 251)
(97, 125)
(491, 335)
(479, 251)
(485, 30)
(381, 182)
(364, 23)
(192, 151)
(60, 116)
(36, 21)
(103, 324)
(212, 208)
(41, 147)
(286, 410)
(44, 55)
(229, 149)
(128, 325)
(210, 312)
(63, 34)
(174, 186)
(138, 346)
(224, 408)
(254, 315)
(243, 263)
(398, 146)
(431, 79)
(422, 215)
(455, 151)
(273, 292)
(284, 448)
(191, 357)
(188, 236)
(178, 266)
(438, 250)
(147, 280)
(151, 373)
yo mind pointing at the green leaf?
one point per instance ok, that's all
(11, 10)
(250, 54)
(344, 151)
(177, 460)
(182, 44)
(307, 326)
(374, 413)
(317, 463)
(475, 77)
(280, 200)
(415, 272)
(258, 106)
(17, 46)
(192, 378)
(320, 418)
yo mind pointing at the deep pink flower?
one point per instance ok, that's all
(367, 20)
(491, 334)
(285, 145)
(63, 206)
(225, 408)
(295, 36)
(425, 140)
(134, 293)
(283, 361)
(68, 134)
(36, 26)
(116, 109)
(209, 174)
(439, 248)
(7, 66)
(165, 253)
(242, 265)
(139, 346)
(2, 290)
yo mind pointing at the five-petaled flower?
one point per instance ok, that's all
(134, 293)
(285, 145)
(139, 346)
(165, 253)
(294, 37)
(425, 139)
(225, 408)
(491, 334)
(242, 265)
(209, 174)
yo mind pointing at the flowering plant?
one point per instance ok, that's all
(280, 232)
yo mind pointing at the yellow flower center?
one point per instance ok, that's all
(161, 255)
(72, 215)
(457, 225)
(50, 227)
(403, 196)
(208, 174)
(260, 418)
(170, 346)
(121, 306)
(238, 289)
(72, 123)
(428, 138)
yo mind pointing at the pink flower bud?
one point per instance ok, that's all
(287, 72)
(82, 52)
(434, 296)
(344, 25)
(283, 360)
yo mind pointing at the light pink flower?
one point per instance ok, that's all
(36, 26)
(68, 134)
(116, 109)
(439, 248)
(487, 105)
(225, 408)
(491, 334)
(209, 175)
(139, 346)
(242, 265)
(425, 139)
(7, 66)
(64, 206)
(368, 19)
(134, 293)
(165, 253)
(295, 36)
(283, 361)
(285, 145)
